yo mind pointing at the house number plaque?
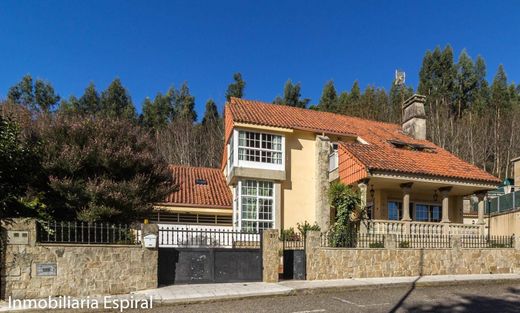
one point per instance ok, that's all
(47, 269)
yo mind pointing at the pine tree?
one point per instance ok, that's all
(482, 87)
(292, 96)
(329, 98)
(236, 89)
(466, 83)
(185, 103)
(89, 102)
(116, 102)
(211, 113)
(38, 97)
(500, 95)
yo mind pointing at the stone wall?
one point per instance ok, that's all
(82, 270)
(270, 256)
(338, 263)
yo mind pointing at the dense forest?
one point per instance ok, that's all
(87, 145)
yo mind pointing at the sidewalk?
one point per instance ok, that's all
(213, 292)
(184, 294)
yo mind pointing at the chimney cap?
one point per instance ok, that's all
(413, 99)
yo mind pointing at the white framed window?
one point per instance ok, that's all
(255, 207)
(257, 150)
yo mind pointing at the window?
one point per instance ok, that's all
(256, 205)
(394, 210)
(427, 213)
(422, 213)
(259, 147)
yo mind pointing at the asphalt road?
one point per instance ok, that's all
(466, 298)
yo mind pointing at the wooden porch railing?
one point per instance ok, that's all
(420, 228)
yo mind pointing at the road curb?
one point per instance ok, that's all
(329, 289)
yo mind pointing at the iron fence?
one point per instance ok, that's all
(87, 233)
(423, 241)
(352, 240)
(487, 242)
(221, 238)
(292, 241)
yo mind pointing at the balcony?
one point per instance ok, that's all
(420, 228)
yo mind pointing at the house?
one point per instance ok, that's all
(202, 198)
(279, 162)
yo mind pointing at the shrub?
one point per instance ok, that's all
(404, 244)
(305, 227)
(378, 244)
(101, 169)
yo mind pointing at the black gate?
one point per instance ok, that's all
(294, 261)
(196, 256)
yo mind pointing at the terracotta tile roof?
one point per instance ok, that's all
(378, 154)
(215, 194)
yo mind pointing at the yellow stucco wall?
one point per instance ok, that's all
(298, 190)
(505, 224)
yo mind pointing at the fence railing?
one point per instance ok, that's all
(409, 241)
(87, 233)
(292, 241)
(487, 241)
(423, 241)
(503, 203)
(350, 240)
(419, 228)
(199, 238)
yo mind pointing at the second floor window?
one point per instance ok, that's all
(259, 147)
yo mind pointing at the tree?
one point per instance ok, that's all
(38, 97)
(292, 96)
(156, 114)
(211, 113)
(185, 104)
(347, 205)
(466, 83)
(101, 169)
(236, 89)
(116, 102)
(90, 102)
(20, 171)
(328, 100)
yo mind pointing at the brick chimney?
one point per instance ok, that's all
(414, 117)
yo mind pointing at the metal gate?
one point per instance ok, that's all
(195, 256)
(294, 261)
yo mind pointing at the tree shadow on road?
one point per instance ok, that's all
(471, 303)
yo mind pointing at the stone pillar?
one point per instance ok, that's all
(270, 257)
(322, 207)
(391, 241)
(363, 187)
(312, 243)
(278, 205)
(149, 229)
(445, 204)
(407, 187)
(516, 242)
(481, 204)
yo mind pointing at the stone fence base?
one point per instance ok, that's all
(36, 270)
(341, 263)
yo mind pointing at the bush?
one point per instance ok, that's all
(101, 169)
(376, 245)
(305, 227)
(404, 244)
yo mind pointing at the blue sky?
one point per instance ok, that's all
(152, 45)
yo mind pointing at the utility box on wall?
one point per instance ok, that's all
(150, 241)
(17, 237)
